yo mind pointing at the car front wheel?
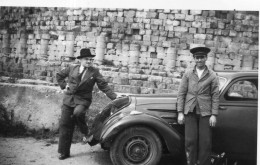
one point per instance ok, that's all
(136, 146)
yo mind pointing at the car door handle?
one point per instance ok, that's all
(222, 108)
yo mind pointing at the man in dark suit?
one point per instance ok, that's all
(78, 97)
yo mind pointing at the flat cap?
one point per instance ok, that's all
(200, 51)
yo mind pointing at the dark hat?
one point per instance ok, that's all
(200, 51)
(85, 53)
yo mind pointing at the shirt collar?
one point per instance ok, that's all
(81, 68)
(206, 68)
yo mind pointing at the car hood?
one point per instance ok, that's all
(161, 105)
(158, 102)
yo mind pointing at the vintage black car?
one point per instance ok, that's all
(138, 129)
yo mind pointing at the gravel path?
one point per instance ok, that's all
(29, 151)
(26, 151)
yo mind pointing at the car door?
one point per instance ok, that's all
(236, 130)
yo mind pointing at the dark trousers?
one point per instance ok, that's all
(69, 117)
(197, 139)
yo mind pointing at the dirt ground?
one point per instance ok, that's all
(29, 151)
(26, 151)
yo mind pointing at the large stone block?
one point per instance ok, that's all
(161, 86)
(186, 23)
(154, 38)
(160, 91)
(233, 33)
(234, 47)
(172, 87)
(154, 27)
(146, 21)
(239, 16)
(129, 13)
(244, 52)
(145, 90)
(209, 31)
(224, 61)
(236, 62)
(205, 25)
(155, 32)
(162, 16)
(121, 81)
(254, 52)
(184, 52)
(189, 18)
(193, 30)
(253, 47)
(221, 25)
(195, 12)
(200, 36)
(138, 83)
(127, 89)
(160, 50)
(151, 14)
(147, 43)
(196, 24)
(218, 67)
(38, 109)
(156, 21)
(171, 16)
(169, 27)
(166, 43)
(217, 32)
(149, 84)
(155, 78)
(180, 29)
(180, 16)
(200, 18)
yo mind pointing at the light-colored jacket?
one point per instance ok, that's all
(203, 92)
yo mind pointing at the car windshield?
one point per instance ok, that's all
(222, 81)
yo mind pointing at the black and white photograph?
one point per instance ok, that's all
(129, 82)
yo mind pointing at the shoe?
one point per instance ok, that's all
(63, 156)
(87, 139)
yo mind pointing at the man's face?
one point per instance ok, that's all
(86, 61)
(200, 60)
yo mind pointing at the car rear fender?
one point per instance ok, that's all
(171, 137)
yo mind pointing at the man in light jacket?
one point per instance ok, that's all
(198, 101)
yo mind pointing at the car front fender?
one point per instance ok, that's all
(172, 139)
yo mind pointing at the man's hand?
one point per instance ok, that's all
(118, 95)
(212, 121)
(181, 118)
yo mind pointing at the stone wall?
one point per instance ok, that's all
(137, 50)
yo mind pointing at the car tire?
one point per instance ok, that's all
(136, 146)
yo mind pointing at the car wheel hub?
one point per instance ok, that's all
(136, 149)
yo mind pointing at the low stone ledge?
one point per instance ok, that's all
(35, 106)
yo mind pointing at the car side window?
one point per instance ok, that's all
(243, 90)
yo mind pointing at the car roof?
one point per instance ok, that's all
(236, 74)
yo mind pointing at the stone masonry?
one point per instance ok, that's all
(137, 50)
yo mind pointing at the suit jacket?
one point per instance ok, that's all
(80, 91)
(202, 93)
